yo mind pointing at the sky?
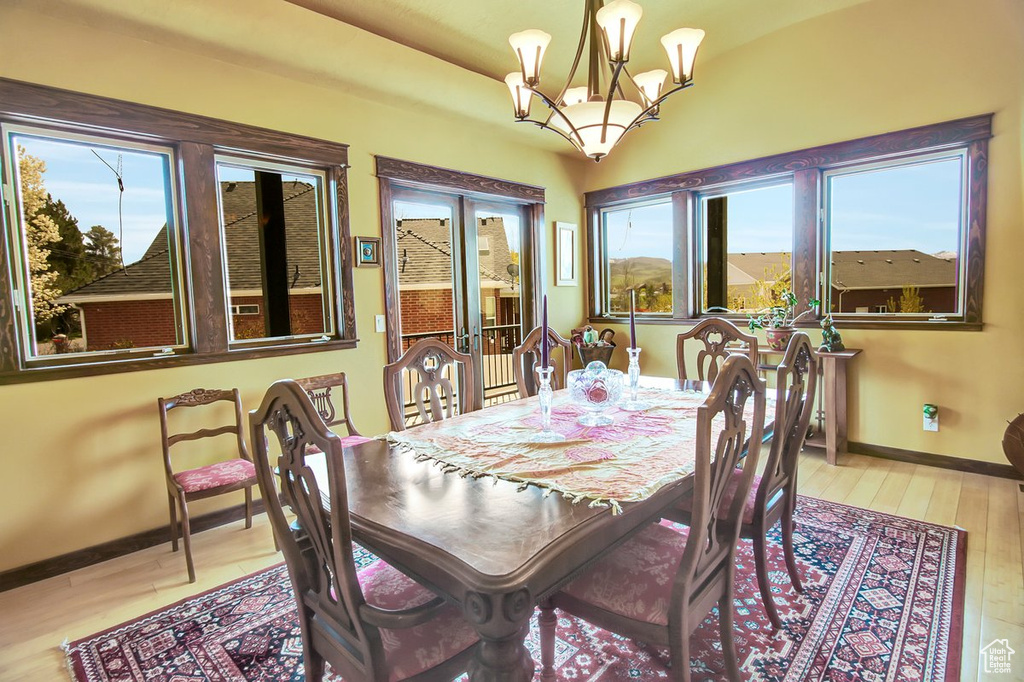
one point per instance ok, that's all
(89, 188)
(910, 207)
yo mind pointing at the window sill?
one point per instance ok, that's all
(86, 369)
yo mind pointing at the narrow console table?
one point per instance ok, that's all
(831, 431)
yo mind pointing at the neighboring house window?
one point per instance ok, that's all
(276, 248)
(885, 231)
(96, 247)
(895, 234)
(637, 251)
(245, 309)
(745, 246)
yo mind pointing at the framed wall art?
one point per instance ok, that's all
(367, 252)
(566, 267)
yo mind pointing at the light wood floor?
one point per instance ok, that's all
(35, 619)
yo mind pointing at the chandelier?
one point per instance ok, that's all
(591, 119)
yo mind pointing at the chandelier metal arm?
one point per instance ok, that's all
(608, 101)
(575, 64)
(554, 110)
(647, 114)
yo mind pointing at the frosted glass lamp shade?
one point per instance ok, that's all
(618, 20)
(591, 136)
(521, 97)
(529, 47)
(681, 46)
(575, 95)
(650, 83)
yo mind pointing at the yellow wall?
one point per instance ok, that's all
(82, 456)
(870, 69)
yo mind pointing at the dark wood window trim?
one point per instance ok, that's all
(395, 173)
(196, 139)
(805, 169)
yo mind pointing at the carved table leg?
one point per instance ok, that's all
(503, 622)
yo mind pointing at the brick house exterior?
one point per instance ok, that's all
(134, 308)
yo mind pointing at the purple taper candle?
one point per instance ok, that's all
(544, 335)
(632, 318)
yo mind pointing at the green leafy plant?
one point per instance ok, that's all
(781, 314)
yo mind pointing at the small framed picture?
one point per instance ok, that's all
(367, 252)
(565, 255)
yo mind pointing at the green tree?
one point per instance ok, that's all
(68, 257)
(102, 250)
(41, 233)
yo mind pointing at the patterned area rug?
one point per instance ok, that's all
(883, 600)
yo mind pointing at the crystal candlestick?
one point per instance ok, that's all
(544, 396)
(634, 405)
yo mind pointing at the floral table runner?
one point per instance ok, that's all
(627, 461)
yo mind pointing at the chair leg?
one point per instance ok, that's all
(172, 503)
(761, 564)
(787, 547)
(186, 533)
(548, 622)
(312, 660)
(248, 506)
(679, 650)
(725, 621)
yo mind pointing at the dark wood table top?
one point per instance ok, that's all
(492, 546)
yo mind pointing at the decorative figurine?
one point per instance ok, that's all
(831, 342)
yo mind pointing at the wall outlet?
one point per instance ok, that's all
(930, 415)
(379, 323)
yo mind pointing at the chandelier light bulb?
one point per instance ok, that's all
(521, 96)
(529, 47)
(650, 84)
(618, 21)
(681, 46)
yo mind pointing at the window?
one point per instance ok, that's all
(895, 235)
(885, 231)
(274, 237)
(97, 256)
(635, 239)
(746, 247)
(114, 256)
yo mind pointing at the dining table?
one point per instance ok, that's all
(472, 509)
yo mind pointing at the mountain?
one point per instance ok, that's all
(640, 270)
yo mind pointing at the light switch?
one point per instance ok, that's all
(379, 323)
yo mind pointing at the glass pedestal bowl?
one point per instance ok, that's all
(596, 389)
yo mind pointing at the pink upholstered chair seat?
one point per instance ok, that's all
(636, 579)
(216, 475)
(410, 651)
(686, 503)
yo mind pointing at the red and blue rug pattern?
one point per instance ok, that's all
(883, 600)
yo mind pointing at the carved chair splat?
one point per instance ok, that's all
(526, 358)
(434, 365)
(713, 333)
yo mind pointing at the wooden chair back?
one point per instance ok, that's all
(526, 359)
(432, 366)
(713, 333)
(200, 397)
(796, 384)
(322, 568)
(714, 527)
(323, 392)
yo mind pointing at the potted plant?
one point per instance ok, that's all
(778, 321)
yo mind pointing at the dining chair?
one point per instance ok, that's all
(323, 392)
(660, 584)
(713, 333)
(772, 496)
(526, 358)
(373, 623)
(225, 476)
(428, 369)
